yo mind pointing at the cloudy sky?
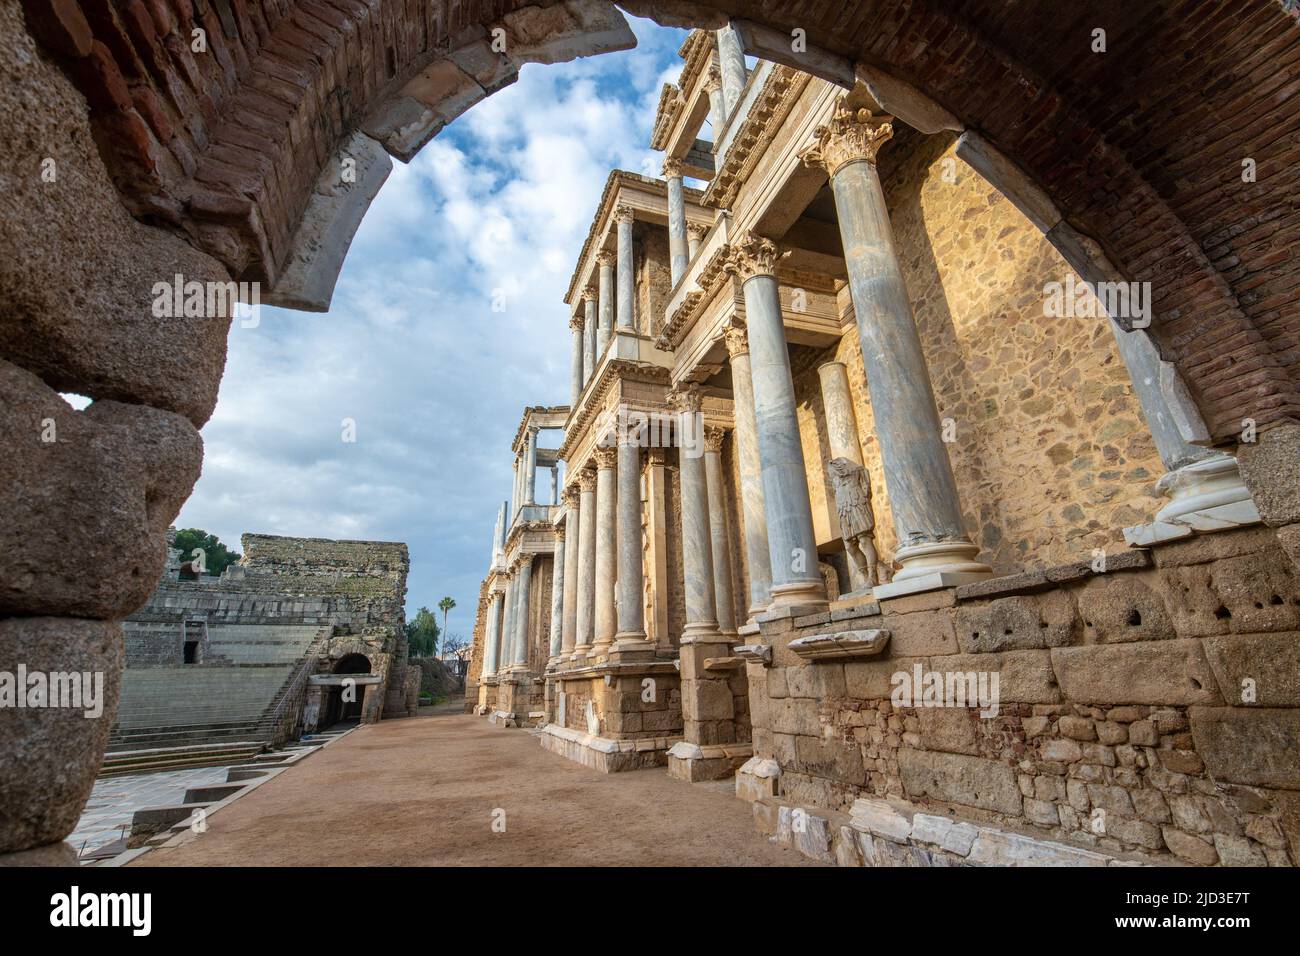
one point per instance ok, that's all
(412, 350)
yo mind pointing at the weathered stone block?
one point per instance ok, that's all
(1017, 623)
(1253, 746)
(1189, 848)
(796, 716)
(1024, 677)
(1122, 608)
(952, 730)
(1193, 604)
(1257, 669)
(944, 833)
(873, 680)
(953, 778)
(995, 848)
(87, 498)
(1260, 590)
(49, 756)
(920, 634)
(819, 681)
(1153, 672)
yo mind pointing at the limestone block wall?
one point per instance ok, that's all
(1150, 709)
(1051, 453)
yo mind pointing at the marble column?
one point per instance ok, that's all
(591, 337)
(719, 530)
(496, 536)
(557, 601)
(731, 56)
(530, 471)
(524, 588)
(505, 644)
(605, 260)
(752, 510)
(516, 498)
(678, 252)
(717, 106)
(571, 531)
(841, 436)
(586, 613)
(697, 541)
(796, 579)
(1204, 485)
(555, 484)
(933, 548)
(606, 624)
(656, 532)
(492, 637)
(503, 526)
(577, 371)
(626, 318)
(695, 233)
(631, 638)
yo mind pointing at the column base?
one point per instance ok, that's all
(693, 763)
(631, 646)
(932, 566)
(810, 593)
(1205, 496)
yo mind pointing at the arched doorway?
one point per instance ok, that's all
(347, 699)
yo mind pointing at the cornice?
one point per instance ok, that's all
(780, 92)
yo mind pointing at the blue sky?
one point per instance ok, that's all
(412, 351)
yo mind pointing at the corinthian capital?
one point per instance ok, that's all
(570, 497)
(686, 397)
(623, 213)
(586, 480)
(735, 336)
(576, 323)
(713, 80)
(850, 135)
(672, 167)
(591, 294)
(605, 258)
(713, 438)
(753, 256)
(606, 457)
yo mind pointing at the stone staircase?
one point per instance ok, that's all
(206, 714)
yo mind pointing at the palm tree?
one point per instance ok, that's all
(445, 605)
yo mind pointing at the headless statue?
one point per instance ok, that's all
(852, 488)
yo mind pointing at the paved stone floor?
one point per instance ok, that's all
(114, 801)
(426, 791)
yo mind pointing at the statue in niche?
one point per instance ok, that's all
(852, 486)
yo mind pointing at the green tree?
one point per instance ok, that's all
(422, 633)
(216, 556)
(445, 605)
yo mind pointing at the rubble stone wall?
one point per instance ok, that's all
(1152, 708)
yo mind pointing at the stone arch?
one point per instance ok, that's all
(351, 663)
(222, 166)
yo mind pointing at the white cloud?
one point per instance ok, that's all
(435, 380)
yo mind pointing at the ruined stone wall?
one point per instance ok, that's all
(1151, 709)
(1051, 454)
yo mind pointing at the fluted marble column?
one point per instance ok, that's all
(678, 252)
(505, 645)
(523, 587)
(586, 614)
(605, 261)
(571, 532)
(590, 338)
(695, 233)
(577, 373)
(557, 601)
(697, 541)
(757, 558)
(841, 432)
(530, 470)
(933, 548)
(731, 54)
(717, 106)
(492, 637)
(631, 638)
(719, 530)
(626, 318)
(516, 497)
(796, 579)
(606, 543)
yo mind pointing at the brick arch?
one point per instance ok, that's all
(1139, 148)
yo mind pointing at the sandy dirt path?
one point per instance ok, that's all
(423, 791)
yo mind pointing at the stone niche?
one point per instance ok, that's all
(1149, 713)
